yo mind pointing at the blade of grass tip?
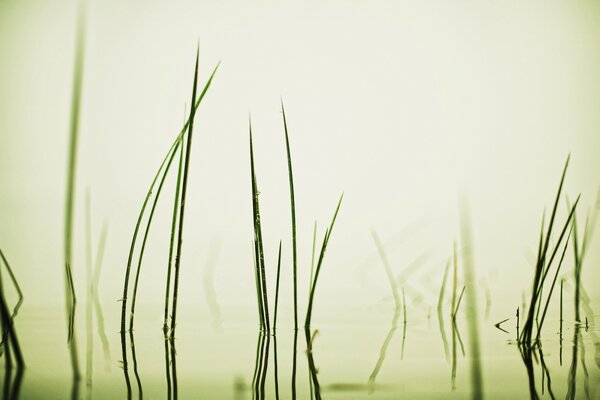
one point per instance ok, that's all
(554, 283)
(15, 283)
(260, 260)
(147, 232)
(277, 287)
(320, 263)
(293, 210)
(176, 142)
(172, 241)
(188, 150)
(554, 208)
(70, 297)
(312, 259)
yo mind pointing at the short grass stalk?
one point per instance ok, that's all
(320, 264)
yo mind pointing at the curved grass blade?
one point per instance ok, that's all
(179, 137)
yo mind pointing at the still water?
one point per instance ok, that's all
(354, 354)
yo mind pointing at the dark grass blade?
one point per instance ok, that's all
(258, 240)
(176, 142)
(319, 264)
(293, 211)
(188, 151)
(277, 287)
(172, 240)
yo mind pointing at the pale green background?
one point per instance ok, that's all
(403, 106)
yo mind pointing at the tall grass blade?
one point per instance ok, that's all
(293, 211)
(188, 151)
(258, 243)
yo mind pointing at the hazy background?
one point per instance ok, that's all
(404, 107)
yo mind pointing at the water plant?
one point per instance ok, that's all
(544, 262)
(161, 173)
